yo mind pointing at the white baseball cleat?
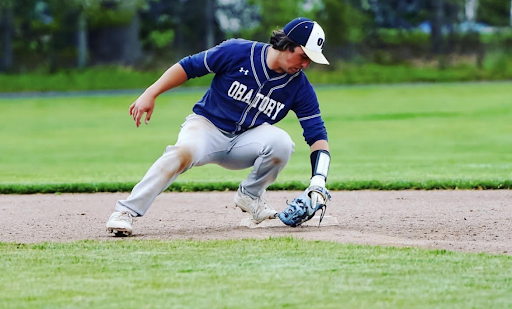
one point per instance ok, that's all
(120, 223)
(257, 207)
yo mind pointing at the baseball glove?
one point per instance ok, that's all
(302, 208)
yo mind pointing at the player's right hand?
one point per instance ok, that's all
(144, 104)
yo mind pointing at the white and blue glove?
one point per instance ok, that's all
(305, 206)
(314, 198)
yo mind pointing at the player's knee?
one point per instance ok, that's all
(185, 156)
(176, 159)
(282, 146)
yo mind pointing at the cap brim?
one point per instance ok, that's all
(316, 57)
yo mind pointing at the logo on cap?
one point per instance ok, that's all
(320, 42)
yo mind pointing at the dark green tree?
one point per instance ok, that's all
(346, 24)
(273, 15)
(6, 34)
(173, 29)
(495, 12)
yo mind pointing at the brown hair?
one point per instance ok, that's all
(281, 41)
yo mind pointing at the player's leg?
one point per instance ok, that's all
(267, 149)
(198, 142)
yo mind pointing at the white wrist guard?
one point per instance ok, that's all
(320, 160)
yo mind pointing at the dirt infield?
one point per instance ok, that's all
(471, 221)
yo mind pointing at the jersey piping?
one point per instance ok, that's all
(248, 108)
(309, 117)
(206, 63)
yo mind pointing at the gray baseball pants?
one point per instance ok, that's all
(266, 148)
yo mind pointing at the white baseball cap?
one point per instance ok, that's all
(309, 35)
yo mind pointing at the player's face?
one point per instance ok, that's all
(296, 60)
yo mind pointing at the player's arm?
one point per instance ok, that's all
(213, 60)
(316, 136)
(173, 77)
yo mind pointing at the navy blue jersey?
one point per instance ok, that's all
(245, 93)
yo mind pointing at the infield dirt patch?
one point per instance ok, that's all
(472, 221)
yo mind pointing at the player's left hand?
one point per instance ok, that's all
(144, 104)
(304, 207)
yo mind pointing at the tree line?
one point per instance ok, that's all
(53, 34)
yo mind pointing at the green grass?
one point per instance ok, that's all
(271, 273)
(97, 78)
(403, 136)
(59, 188)
(497, 66)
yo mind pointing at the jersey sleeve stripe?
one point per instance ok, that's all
(206, 63)
(263, 65)
(253, 66)
(309, 117)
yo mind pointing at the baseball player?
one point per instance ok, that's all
(255, 85)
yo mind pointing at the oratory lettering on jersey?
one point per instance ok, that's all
(267, 105)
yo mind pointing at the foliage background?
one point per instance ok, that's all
(54, 36)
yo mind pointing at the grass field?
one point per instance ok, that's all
(388, 134)
(272, 273)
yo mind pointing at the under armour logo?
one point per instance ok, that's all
(243, 71)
